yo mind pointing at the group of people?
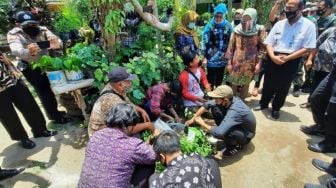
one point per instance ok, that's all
(239, 52)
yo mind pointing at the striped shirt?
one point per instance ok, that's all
(6, 79)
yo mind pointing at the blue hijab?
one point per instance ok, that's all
(219, 9)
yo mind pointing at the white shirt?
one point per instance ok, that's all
(286, 38)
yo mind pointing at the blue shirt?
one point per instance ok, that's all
(286, 38)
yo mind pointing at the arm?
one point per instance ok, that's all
(55, 42)
(142, 112)
(143, 153)
(183, 78)
(172, 110)
(232, 119)
(206, 38)
(230, 49)
(274, 10)
(138, 128)
(17, 47)
(197, 114)
(204, 80)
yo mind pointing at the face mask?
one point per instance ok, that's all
(236, 22)
(320, 12)
(290, 15)
(32, 31)
(192, 25)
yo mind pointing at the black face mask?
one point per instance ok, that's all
(290, 15)
(32, 31)
(320, 12)
(236, 22)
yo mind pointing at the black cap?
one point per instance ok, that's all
(119, 74)
(25, 17)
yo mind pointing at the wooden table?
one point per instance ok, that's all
(75, 89)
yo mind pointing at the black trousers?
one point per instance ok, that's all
(215, 75)
(317, 79)
(20, 97)
(41, 85)
(235, 136)
(323, 105)
(141, 175)
(277, 81)
(260, 75)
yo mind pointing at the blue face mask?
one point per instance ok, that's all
(192, 25)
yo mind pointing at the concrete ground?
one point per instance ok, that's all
(277, 157)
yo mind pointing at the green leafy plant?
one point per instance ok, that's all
(146, 67)
(47, 63)
(67, 20)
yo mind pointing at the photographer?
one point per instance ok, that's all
(24, 43)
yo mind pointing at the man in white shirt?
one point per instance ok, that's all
(287, 42)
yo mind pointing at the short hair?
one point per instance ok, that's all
(329, 3)
(175, 87)
(302, 4)
(188, 56)
(122, 115)
(167, 142)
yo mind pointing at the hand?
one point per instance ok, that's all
(229, 68)
(156, 132)
(33, 49)
(144, 116)
(278, 60)
(285, 58)
(201, 99)
(257, 68)
(199, 120)
(204, 62)
(54, 42)
(189, 122)
(178, 120)
(308, 64)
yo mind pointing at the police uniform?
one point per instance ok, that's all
(285, 40)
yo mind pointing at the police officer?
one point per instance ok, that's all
(23, 44)
(286, 43)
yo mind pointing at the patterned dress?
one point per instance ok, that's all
(245, 52)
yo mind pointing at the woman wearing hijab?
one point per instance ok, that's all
(238, 14)
(216, 37)
(186, 38)
(245, 52)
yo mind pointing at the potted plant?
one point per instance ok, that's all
(72, 66)
(54, 69)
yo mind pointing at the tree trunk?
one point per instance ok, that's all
(151, 19)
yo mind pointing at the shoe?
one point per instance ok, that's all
(27, 143)
(312, 130)
(305, 105)
(296, 93)
(322, 147)
(45, 133)
(63, 120)
(275, 114)
(259, 107)
(324, 166)
(305, 90)
(8, 173)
